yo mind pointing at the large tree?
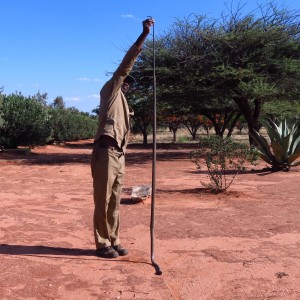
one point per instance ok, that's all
(228, 66)
(262, 57)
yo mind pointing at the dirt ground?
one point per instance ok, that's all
(242, 244)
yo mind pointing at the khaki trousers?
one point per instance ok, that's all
(107, 168)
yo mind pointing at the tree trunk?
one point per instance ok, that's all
(216, 125)
(173, 126)
(174, 135)
(230, 129)
(194, 134)
(145, 136)
(250, 116)
(192, 129)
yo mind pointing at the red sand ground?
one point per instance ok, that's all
(243, 244)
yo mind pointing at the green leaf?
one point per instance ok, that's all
(274, 134)
(265, 158)
(278, 151)
(262, 144)
(295, 145)
(286, 144)
(295, 155)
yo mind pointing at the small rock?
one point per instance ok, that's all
(141, 192)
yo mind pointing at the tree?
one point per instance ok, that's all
(261, 56)
(247, 59)
(226, 119)
(173, 122)
(192, 122)
(96, 110)
(235, 64)
(58, 102)
(41, 98)
(142, 115)
(183, 69)
(141, 99)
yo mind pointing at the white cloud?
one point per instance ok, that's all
(128, 16)
(72, 99)
(84, 79)
(89, 79)
(93, 96)
(76, 99)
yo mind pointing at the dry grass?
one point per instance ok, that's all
(183, 136)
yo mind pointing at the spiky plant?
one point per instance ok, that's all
(284, 147)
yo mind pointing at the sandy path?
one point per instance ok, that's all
(244, 244)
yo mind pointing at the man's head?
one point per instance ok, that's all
(128, 81)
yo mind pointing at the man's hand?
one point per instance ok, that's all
(146, 30)
(147, 24)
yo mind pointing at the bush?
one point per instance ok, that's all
(284, 148)
(223, 158)
(71, 126)
(183, 139)
(24, 122)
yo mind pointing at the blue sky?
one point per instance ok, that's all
(65, 47)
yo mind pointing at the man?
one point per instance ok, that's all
(108, 160)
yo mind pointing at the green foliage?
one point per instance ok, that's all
(235, 64)
(58, 102)
(284, 142)
(28, 121)
(69, 125)
(223, 158)
(183, 139)
(24, 122)
(41, 98)
(143, 114)
(281, 109)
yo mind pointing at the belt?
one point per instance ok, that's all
(108, 142)
(110, 147)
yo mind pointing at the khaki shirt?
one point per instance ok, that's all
(114, 112)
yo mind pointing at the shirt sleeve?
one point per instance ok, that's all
(124, 68)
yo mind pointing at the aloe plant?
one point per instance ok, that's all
(284, 147)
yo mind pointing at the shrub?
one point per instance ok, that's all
(183, 139)
(223, 158)
(71, 126)
(27, 121)
(284, 142)
(24, 122)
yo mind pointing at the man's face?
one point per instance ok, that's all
(125, 87)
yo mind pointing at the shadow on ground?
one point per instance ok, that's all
(43, 250)
(138, 157)
(56, 252)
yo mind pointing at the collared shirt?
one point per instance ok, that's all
(114, 112)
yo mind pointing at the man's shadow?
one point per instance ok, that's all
(44, 250)
(56, 252)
